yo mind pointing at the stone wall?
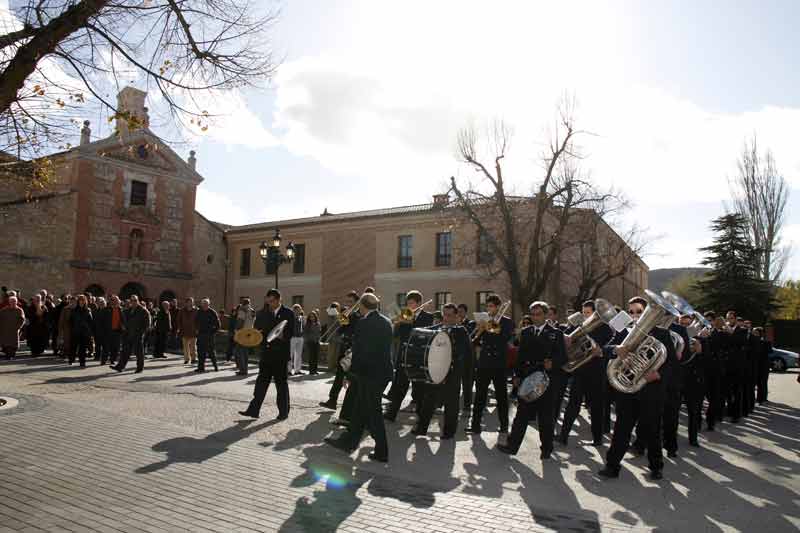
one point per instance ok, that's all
(208, 275)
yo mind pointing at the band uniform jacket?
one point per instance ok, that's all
(277, 350)
(494, 345)
(534, 349)
(372, 349)
(347, 333)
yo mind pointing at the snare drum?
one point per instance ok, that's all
(428, 355)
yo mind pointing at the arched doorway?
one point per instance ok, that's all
(167, 296)
(131, 288)
(95, 290)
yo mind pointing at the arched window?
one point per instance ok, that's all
(131, 288)
(95, 290)
(135, 244)
(167, 296)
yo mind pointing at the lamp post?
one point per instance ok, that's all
(272, 256)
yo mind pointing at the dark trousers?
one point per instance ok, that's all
(644, 407)
(242, 358)
(268, 371)
(762, 380)
(110, 344)
(54, 339)
(734, 392)
(161, 343)
(446, 394)
(558, 381)
(587, 382)
(750, 385)
(367, 415)
(313, 356)
(349, 403)
(338, 382)
(468, 381)
(693, 391)
(713, 392)
(132, 345)
(672, 409)
(80, 346)
(205, 347)
(400, 386)
(608, 398)
(542, 410)
(496, 376)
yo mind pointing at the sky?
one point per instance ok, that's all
(367, 102)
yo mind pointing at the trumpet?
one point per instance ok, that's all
(406, 315)
(342, 319)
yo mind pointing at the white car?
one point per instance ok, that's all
(780, 360)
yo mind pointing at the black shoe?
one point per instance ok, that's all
(375, 457)
(609, 472)
(597, 442)
(710, 428)
(138, 371)
(672, 454)
(241, 373)
(472, 430)
(655, 475)
(248, 414)
(281, 417)
(418, 432)
(545, 455)
(328, 404)
(637, 452)
(505, 449)
(562, 440)
(118, 369)
(388, 417)
(341, 422)
(199, 370)
(339, 444)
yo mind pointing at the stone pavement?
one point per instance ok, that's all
(90, 450)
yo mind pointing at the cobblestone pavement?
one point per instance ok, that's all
(90, 450)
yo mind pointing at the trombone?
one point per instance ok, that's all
(407, 316)
(343, 319)
(493, 324)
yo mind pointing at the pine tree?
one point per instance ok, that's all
(734, 281)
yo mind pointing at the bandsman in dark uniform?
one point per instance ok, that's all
(716, 362)
(672, 398)
(446, 393)
(402, 331)
(468, 368)
(541, 347)
(491, 368)
(693, 387)
(345, 334)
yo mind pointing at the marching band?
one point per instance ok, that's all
(646, 361)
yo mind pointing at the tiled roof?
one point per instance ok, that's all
(330, 217)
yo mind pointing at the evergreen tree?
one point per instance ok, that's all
(734, 281)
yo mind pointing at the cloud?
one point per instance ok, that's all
(231, 120)
(218, 207)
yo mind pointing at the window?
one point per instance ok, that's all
(444, 249)
(404, 249)
(244, 262)
(299, 263)
(480, 300)
(485, 256)
(443, 298)
(138, 193)
(298, 299)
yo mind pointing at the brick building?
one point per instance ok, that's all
(394, 250)
(119, 218)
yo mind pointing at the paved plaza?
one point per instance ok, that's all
(93, 450)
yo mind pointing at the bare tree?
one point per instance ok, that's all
(760, 193)
(521, 237)
(596, 255)
(60, 60)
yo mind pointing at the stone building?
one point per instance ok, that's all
(119, 218)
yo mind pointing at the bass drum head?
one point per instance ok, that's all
(440, 357)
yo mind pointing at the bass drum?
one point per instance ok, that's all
(533, 386)
(427, 356)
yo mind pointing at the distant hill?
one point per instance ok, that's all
(660, 277)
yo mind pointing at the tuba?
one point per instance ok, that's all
(699, 322)
(645, 352)
(581, 345)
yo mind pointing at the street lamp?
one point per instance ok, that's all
(272, 256)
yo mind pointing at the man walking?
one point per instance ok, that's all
(207, 322)
(136, 325)
(187, 331)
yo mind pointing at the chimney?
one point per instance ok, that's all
(192, 160)
(440, 200)
(130, 107)
(86, 133)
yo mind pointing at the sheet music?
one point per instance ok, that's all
(479, 316)
(621, 321)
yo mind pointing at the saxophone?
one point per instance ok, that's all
(645, 353)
